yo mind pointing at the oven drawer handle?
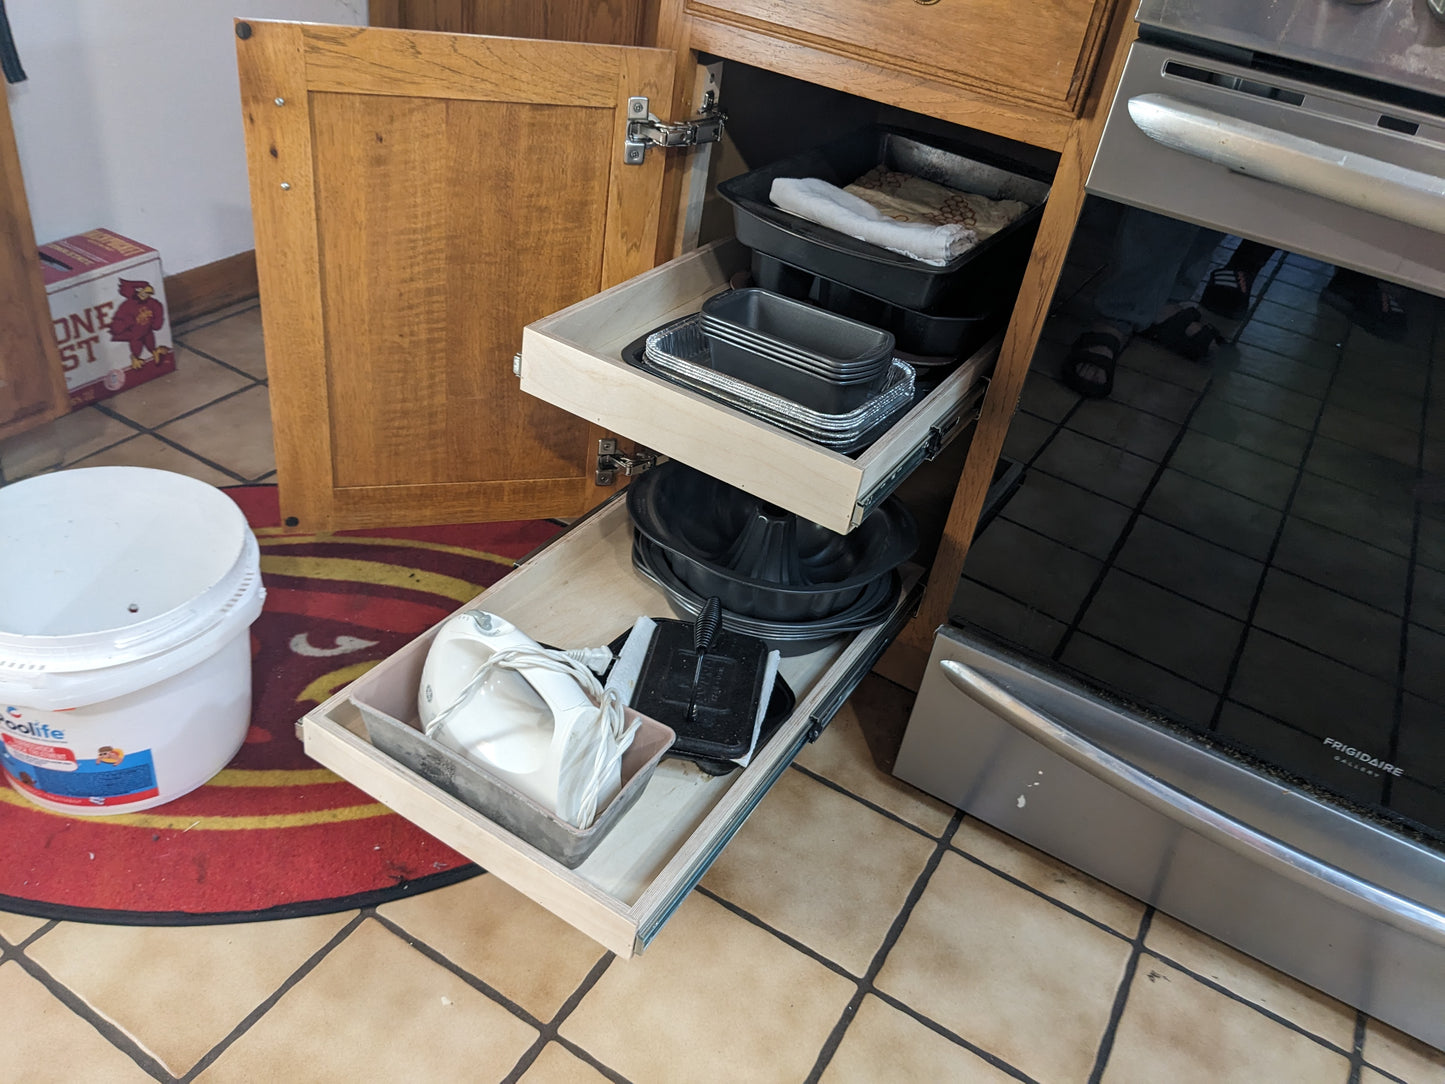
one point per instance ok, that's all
(1189, 813)
(1353, 179)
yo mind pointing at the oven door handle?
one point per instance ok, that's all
(1347, 177)
(1199, 817)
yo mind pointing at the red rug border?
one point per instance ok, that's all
(376, 897)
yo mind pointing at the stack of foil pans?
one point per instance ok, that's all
(679, 352)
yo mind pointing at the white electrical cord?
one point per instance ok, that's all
(612, 733)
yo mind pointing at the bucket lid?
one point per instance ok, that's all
(105, 566)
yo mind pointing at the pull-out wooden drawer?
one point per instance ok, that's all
(1041, 51)
(582, 590)
(573, 360)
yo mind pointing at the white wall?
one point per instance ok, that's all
(131, 118)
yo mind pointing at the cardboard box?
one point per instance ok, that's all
(107, 308)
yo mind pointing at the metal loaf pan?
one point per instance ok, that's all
(825, 341)
(679, 352)
(888, 275)
(499, 801)
(806, 388)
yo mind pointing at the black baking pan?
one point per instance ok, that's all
(760, 561)
(958, 323)
(888, 275)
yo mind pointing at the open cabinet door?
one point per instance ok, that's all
(32, 385)
(418, 198)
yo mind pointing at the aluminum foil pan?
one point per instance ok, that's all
(679, 352)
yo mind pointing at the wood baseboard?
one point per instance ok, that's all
(211, 286)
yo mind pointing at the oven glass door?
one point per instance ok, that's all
(1249, 544)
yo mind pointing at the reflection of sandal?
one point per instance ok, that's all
(1372, 304)
(1227, 293)
(1174, 334)
(1085, 352)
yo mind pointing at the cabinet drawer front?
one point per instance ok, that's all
(1041, 51)
(582, 590)
(574, 360)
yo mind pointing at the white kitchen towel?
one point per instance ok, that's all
(826, 204)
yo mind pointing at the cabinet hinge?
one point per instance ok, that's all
(645, 130)
(611, 459)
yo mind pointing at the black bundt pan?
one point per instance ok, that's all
(788, 638)
(759, 561)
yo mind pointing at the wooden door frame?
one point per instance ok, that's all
(24, 307)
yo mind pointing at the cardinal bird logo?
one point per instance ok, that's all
(137, 320)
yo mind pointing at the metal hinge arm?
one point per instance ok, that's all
(611, 459)
(645, 130)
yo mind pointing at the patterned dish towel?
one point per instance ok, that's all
(906, 198)
(904, 214)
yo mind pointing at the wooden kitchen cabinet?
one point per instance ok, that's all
(422, 198)
(398, 270)
(1036, 53)
(32, 383)
(418, 198)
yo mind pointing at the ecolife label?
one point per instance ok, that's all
(39, 759)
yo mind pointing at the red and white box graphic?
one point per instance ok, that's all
(108, 311)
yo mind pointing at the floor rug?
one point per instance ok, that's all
(274, 835)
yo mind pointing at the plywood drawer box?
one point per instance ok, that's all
(1041, 51)
(582, 590)
(573, 360)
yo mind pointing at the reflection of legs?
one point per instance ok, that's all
(1149, 255)
(1154, 260)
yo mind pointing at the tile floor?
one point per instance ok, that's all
(855, 930)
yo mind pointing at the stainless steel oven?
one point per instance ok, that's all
(1201, 651)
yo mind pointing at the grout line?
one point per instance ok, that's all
(220, 315)
(861, 800)
(1011, 879)
(226, 364)
(27, 942)
(547, 1029)
(1357, 1049)
(866, 983)
(109, 1031)
(436, 956)
(1121, 998)
(165, 440)
(549, 1032)
(307, 966)
(1241, 999)
(938, 1029)
(185, 414)
(782, 935)
(190, 452)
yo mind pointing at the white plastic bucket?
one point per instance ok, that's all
(125, 665)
